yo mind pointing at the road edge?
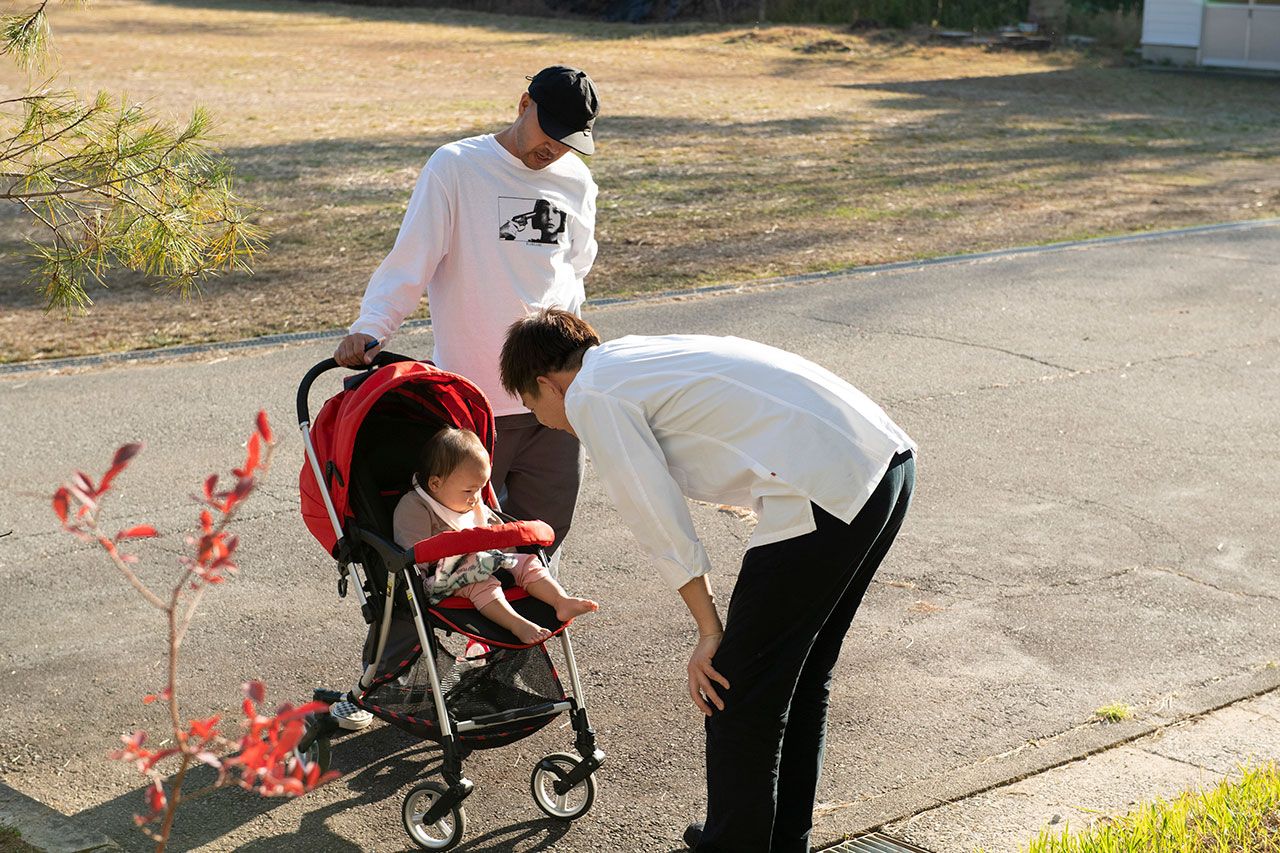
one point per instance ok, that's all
(54, 364)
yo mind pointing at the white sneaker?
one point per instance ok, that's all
(349, 715)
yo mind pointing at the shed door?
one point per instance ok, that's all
(1264, 34)
(1241, 35)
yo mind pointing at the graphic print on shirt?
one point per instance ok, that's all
(530, 220)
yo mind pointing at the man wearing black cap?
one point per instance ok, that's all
(498, 225)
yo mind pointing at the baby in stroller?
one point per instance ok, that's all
(452, 470)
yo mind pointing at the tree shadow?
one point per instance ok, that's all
(388, 760)
(531, 17)
(1078, 119)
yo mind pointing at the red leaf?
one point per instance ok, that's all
(251, 458)
(134, 741)
(255, 690)
(264, 428)
(85, 498)
(206, 521)
(209, 485)
(125, 453)
(243, 487)
(118, 463)
(205, 729)
(142, 531)
(209, 758)
(155, 758)
(156, 799)
(61, 503)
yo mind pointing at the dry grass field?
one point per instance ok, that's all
(725, 153)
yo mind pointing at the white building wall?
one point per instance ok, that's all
(1174, 23)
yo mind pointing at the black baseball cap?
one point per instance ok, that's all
(567, 106)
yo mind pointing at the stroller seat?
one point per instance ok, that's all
(458, 614)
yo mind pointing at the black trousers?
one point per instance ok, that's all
(790, 611)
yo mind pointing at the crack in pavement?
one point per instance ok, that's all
(1073, 374)
(1266, 262)
(941, 338)
(1265, 596)
(1175, 758)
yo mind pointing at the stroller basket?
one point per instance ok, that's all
(497, 698)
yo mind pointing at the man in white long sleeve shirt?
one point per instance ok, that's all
(830, 477)
(497, 225)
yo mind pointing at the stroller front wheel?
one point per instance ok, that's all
(446, 832)
(562, 805)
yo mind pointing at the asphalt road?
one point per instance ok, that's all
(1094, 522)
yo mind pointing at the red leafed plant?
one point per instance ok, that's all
(264, 758)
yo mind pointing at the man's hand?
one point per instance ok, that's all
(352, 352)
(703, 676)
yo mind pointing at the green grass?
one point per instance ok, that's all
(1114, 713)
(1240, 816)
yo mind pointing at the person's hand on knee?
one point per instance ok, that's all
(703, 676)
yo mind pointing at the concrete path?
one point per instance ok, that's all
(1191, 755)
(1094, 523)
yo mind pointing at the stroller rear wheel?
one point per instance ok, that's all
(314, 748)
(446, 832)
(562, 805)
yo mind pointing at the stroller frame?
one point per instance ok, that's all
(433, 815)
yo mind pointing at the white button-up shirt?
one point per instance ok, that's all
(727, 421)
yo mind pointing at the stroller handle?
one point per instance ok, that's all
(451, 543)
(304, 388)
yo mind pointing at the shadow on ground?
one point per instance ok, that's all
(389, 761)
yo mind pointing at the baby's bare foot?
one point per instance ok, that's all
(572, 607)
(530, 633)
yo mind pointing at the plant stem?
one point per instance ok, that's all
(175, 797)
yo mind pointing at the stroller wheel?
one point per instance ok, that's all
(314, 746)
(319, 754)
(445, 833)
(569, 805)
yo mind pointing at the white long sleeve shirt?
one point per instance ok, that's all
(487, 239)
(728, 421)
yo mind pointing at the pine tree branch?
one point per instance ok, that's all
(37, 215)
(50, 138)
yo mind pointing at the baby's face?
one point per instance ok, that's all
(460, 491)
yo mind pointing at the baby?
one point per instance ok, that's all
(452, 470)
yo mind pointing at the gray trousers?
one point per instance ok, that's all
(536, 472)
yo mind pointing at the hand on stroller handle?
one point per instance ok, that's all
(452, 543)
(304, 388)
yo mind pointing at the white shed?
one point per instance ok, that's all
(1239, 34)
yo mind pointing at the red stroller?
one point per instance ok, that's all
(360, 448)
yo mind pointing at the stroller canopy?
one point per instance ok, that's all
(385, 412)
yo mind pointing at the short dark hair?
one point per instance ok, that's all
(446, 450)
(543, 343)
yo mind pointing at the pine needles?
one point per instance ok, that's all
(114, 187)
